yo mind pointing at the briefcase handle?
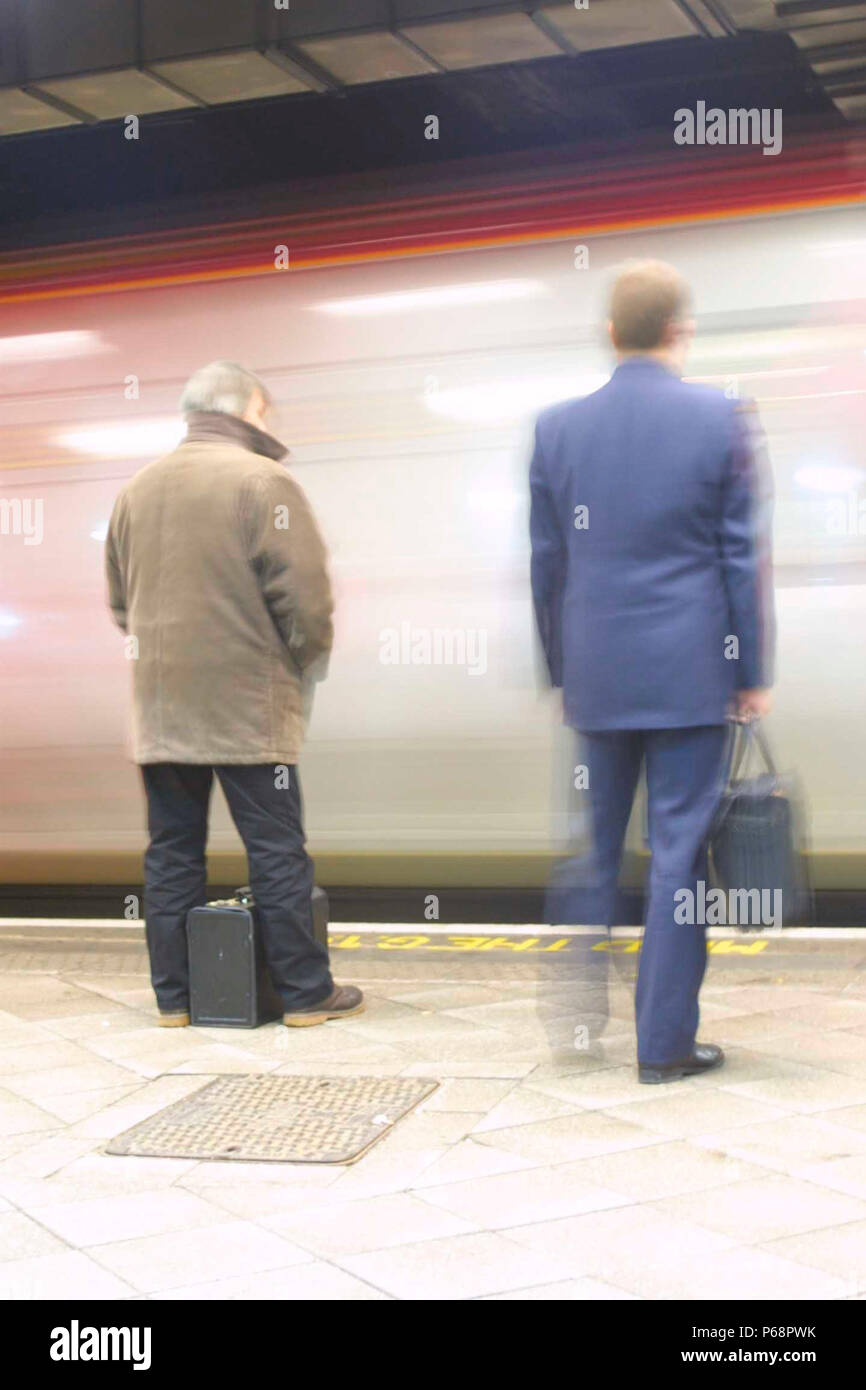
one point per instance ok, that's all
(742, 738)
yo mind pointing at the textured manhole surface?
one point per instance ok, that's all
(280, 1119)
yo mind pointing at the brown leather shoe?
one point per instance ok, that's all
(179, 1019)
(342, 1002)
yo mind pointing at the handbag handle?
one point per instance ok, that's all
(745, 736)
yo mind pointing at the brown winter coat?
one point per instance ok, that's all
(218, 574)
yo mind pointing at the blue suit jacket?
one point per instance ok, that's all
(638, 596)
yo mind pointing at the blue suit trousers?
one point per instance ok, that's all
(684, 783)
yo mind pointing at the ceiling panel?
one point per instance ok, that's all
(306, 19)
(792, 14)
(852, 107)
(20, 113)
(63, 38)
(107, 95)
(483, 40)
(372, 57)
(836, 68)
(224, 77)
(95, 56)
(408, 11)
(612, 23)
(173, 29)
(822, 35)
(752, 14)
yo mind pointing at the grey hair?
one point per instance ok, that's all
(221, 386)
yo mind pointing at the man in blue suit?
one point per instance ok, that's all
(651, 607)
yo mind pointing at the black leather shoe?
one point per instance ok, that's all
(704, 1056)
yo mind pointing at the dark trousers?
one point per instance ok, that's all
(683, 773)
(268, 817)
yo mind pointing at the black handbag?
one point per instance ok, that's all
(757, 841)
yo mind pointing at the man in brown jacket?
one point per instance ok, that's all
(218, 574)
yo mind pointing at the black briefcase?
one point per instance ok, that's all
(229, 982)
(758, 840)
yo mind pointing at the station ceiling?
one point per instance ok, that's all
(68, 64)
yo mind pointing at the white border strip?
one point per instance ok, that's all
(463, 929)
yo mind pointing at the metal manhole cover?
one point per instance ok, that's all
(279, 1119)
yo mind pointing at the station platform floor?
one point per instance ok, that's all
(538, 1169)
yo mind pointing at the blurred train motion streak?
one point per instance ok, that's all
(406, 382)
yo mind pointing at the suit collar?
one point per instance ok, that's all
(642, 363)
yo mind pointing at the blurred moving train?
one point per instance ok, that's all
(406, 388)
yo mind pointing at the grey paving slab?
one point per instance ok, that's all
(838, 1249)
(594, 1090)
(71, 1107)
(536, 1194)
(538, 1170)
(254, 1200)
(112, 1019)
(824, 1012)
(764, 1209)
(149, 1096)
(46, 1155)
(225, 1059)
(384, 1170)
(20, 1116)
(681, 1110)
(807, 1093)
(786, 1144)
(666, 1169)
(456, 1267)
(202, 1176)
(161, 1046)
(480, 1067)
(842, 1174)
(470, 1159)
(93, 1175)
(849, 1117)
(227, 1249)
(443, 997)
(41, 998)
(570, 1290)
(60, 1276)
(654, 1257)
(36, 1056)
(11, 1144)
(431, 1129)
(374, 1223)
(105, 1220)
(525, 1104)
(829, 1050)
(747, 1029)
(745, 1273)
(772, 995)
(63, 1081)
(570, 1137)
(476, 1094)
(22, 1238)
(316, 1281)
(628, 1246)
